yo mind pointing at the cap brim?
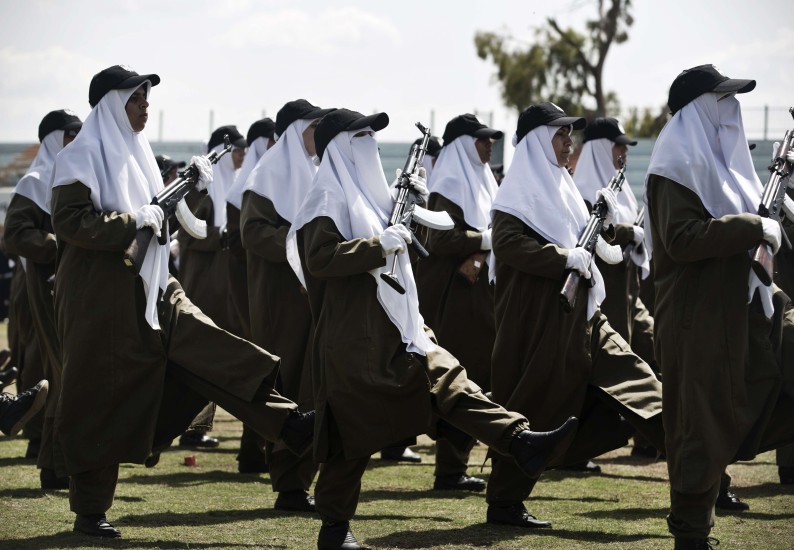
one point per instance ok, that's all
(317, 113)
(624, 140)
(135, 81)
(489, 133)
(377, 122)
(72, 126)
(738, 85)
(578, 123)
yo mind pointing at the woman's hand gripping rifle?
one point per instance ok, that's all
(588, 238)
(170, 200)
(408, 207)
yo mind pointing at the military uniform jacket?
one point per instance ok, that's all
(281, 320)
(204, 266)
(721, 376)
(238, 312)
(114, 363)
(543, 357)
(375, 390)
(460, 313)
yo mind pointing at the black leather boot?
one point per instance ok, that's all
(95, 525)
(515, 515)
(533, 450)
(15, 411)
(338, 536)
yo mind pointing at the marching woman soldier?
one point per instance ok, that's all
(378, 376)
(718, 329)
(281, 320)
(455, 296)
(549, 364)
(29, 235)
(139, 359)
(604, 143)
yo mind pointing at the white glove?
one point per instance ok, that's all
(790, 157)
(611, 200)
(204, 168)
(486, 243)
(394, 238)
(611, 254)
(579, 259)
(639, 234)
(149, 215)
(772, 233)
(764, 293)
(418, 182)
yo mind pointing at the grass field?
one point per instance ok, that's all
(212, 506)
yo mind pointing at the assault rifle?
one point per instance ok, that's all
(170, 199)
(772, 204)
(639, 221)
(408, 210)
(589, 236)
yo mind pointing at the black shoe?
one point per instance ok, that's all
(399, 454)
(152, 460)
(460, 482)
(197, 440)
(696, 544)
(15, 411)
(8, 376)
(96, 526)
(298, 432)
(648, 451)
(533, 450)
(786, 474)
(294, 501)
(588, 467)
(253, 466)
(516, 515)
(730, 502)
(51, 481)
(338, 536)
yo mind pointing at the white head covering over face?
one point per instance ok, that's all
(594, 170)
(285, 173)
(118, 166)
(255, 151)
(350, 188)
(542, 194)
(223, 173)
(36, 183)
(461, 177)
(704, 148)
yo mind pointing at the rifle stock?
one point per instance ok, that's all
(166, 199)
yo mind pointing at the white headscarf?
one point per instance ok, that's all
(594, 170)
(36, 183)
(255, 151)
(350, 188)
(118, 166)
(223, 173)
(285, 173)
(461, 177)
(542, 194)
(704, 148)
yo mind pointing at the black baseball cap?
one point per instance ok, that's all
(545, 114)
(609, 128)
(261, 128)
(297, 110)
(699, 80)
(62, 119)
(433, 146)
(345, 120)
(166, 163)
(468, 125)
(117, 77)
(234, 134)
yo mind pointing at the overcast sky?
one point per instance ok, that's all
(240, 58)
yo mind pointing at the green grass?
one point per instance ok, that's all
(212, 506)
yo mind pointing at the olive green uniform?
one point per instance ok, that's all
(726, 397)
